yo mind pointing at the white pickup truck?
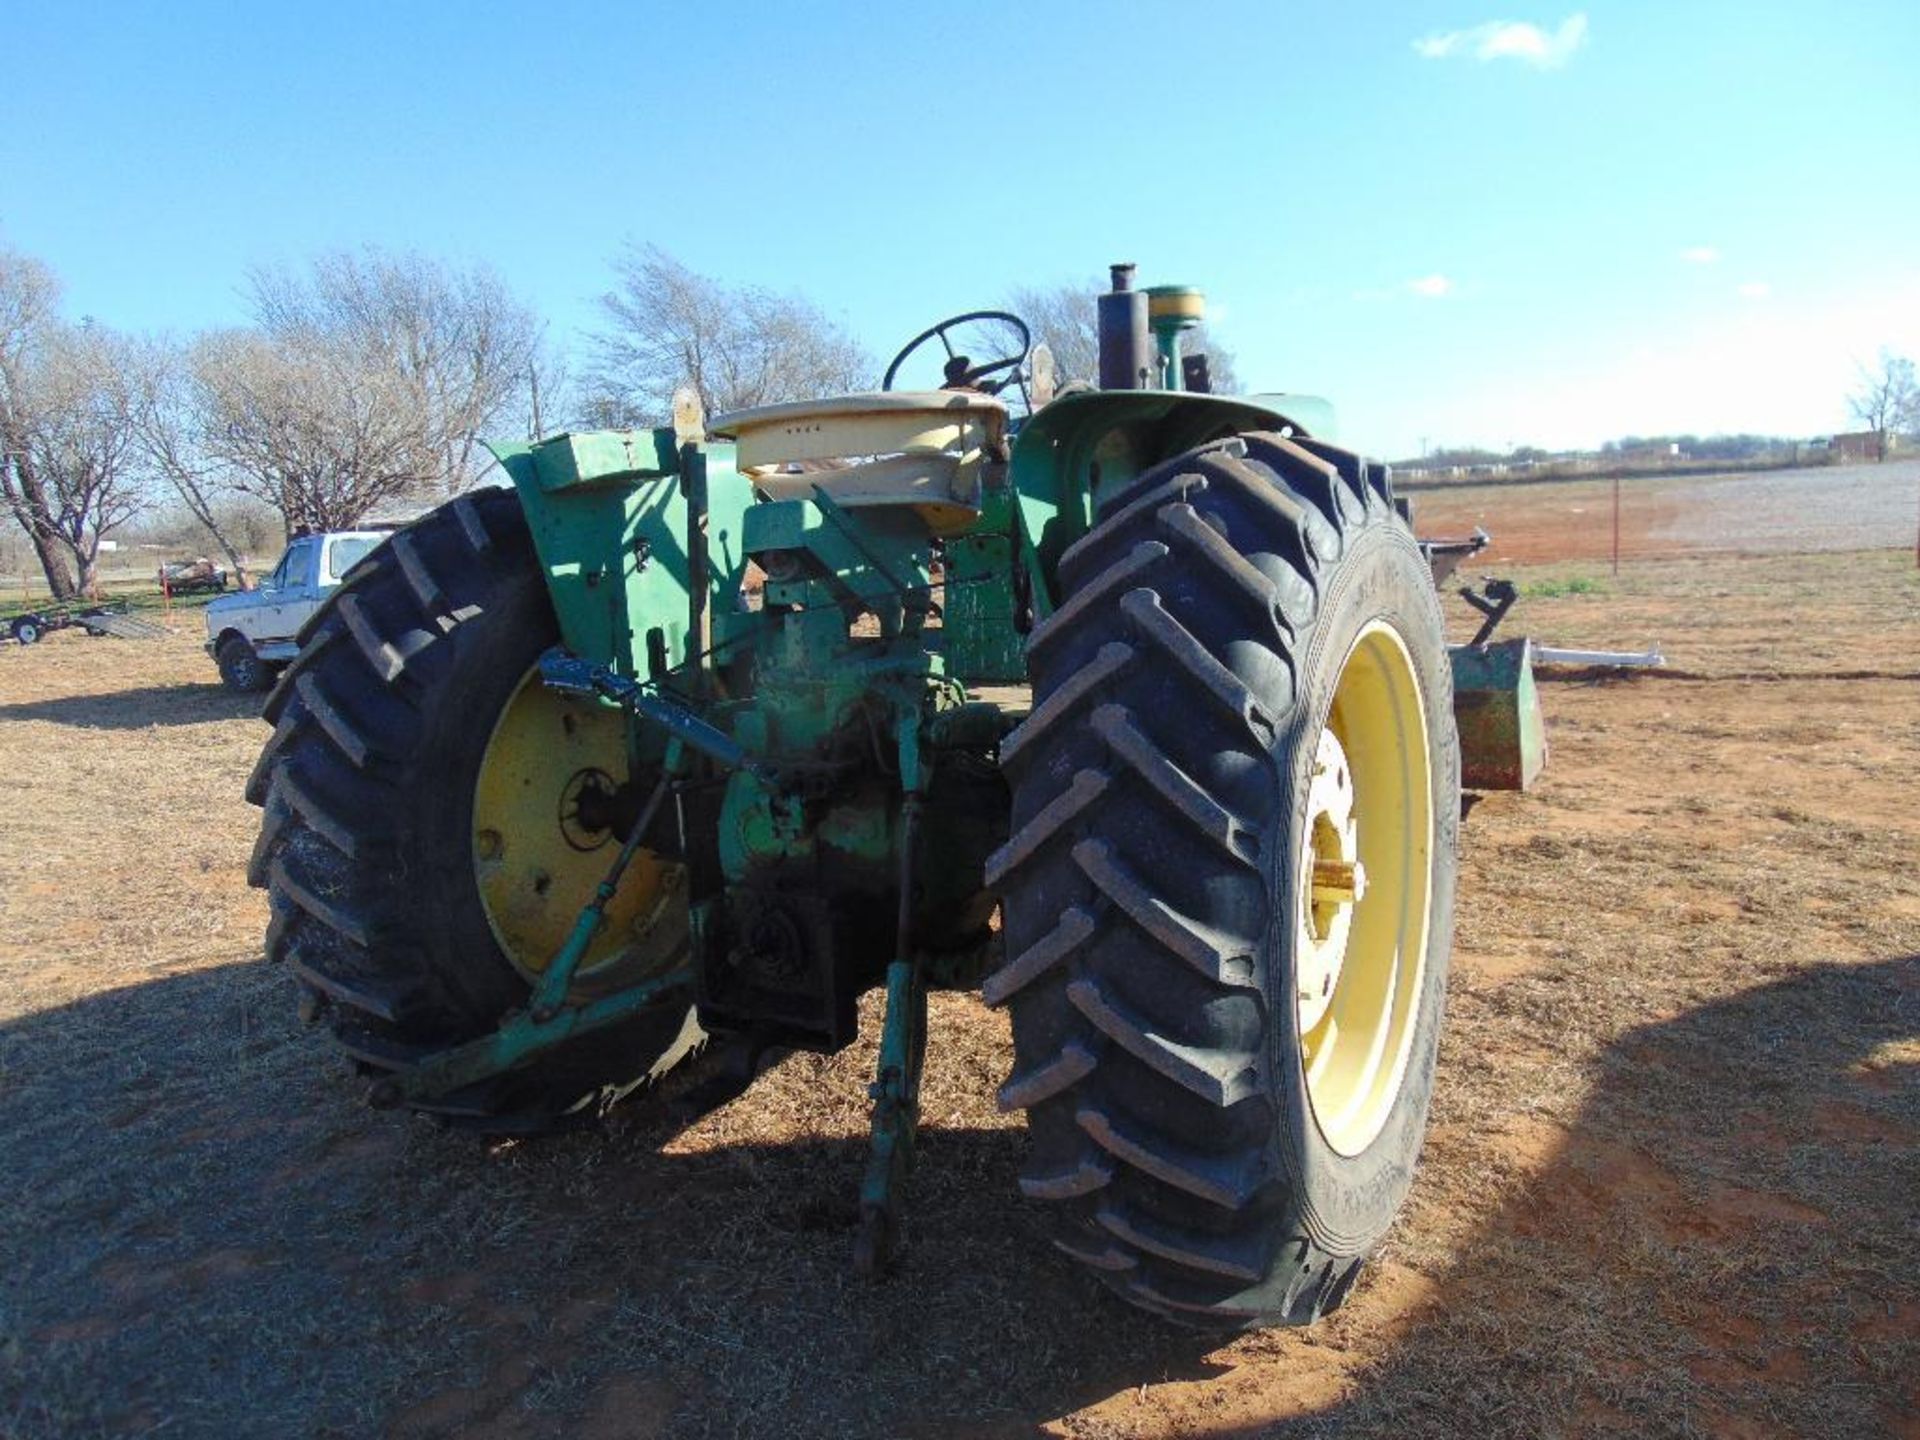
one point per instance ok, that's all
(250, 634)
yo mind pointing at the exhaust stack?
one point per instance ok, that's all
(1126, 347)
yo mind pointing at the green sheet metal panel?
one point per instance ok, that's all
(1083, 446)
(609, 518)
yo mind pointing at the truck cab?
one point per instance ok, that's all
(250, 635)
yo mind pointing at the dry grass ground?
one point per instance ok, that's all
(1671, 1186)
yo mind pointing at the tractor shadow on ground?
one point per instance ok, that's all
(139, 708)
(1719, 1243)
(204, 1229)
(207, 1228)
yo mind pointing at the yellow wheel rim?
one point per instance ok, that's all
(541, 842)
(1366, 888)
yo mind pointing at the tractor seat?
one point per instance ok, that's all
(918, 448)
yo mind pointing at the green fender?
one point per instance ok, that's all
(608, 511)
(1088, 444)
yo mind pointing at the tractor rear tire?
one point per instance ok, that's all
(367, 841)
(1222, 1148)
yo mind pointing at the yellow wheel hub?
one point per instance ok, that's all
(542, 840)
(1365, 886)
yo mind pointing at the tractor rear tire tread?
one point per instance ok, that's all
(1138, 991)
(352, 720)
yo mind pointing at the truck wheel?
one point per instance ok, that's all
(1228, 893)
(241, 668)
(426, 843)
(28, 629)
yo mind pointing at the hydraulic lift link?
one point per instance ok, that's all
(903, 1043)
(547, 1019)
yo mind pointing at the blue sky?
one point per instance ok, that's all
(1469, 222)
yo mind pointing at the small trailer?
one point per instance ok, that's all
(28, 628)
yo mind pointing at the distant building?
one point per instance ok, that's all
(1861, 447)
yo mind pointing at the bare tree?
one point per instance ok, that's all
(308, 427)
(367, 378)
(69, 472)
(454, 347)
(29, 302)
(1888, 398)
(80, 439)
(168, 423)
(667, 326)
(1066, 319)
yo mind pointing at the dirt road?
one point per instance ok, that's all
(1671, 1187)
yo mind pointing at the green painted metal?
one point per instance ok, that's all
(1084, 446)
(896, 1114)
(683, 727)
(1167, 330)
(1503, 737)
(821, 689)
(609, 516)
(980, 603)
(903, 1035)
(878, 560)
(522, 1038)
(819, 728)
(978, 632)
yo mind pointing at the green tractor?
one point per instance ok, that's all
(1128, 705)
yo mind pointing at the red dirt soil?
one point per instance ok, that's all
(1767, 512)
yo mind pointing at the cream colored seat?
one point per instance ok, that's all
(919, 448)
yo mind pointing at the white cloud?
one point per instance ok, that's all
(1431, 287)
(1755, 290)
(1700, 255)
(1509, 40)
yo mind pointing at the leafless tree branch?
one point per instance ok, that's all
(29, 302)
(667, 326)
(1888, 397)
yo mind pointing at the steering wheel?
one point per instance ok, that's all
(961, 372)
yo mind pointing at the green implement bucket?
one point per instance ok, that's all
(1503, 739)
